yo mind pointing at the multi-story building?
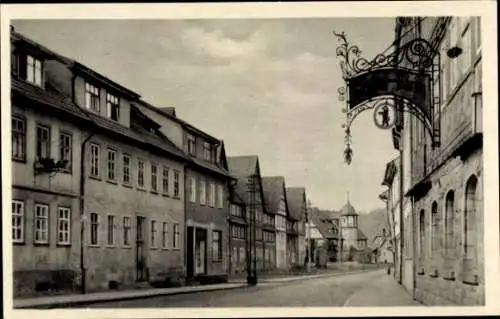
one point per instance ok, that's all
(446, 182)
(353, 238)
(246, 168)
(207, 184)
(275, 199)
(296, 245)
(239, 231)
(97, 189)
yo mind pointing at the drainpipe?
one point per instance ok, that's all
(401, 204)
(82, 212)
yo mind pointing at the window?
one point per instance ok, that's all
(154, 233)
(176, 184)
(34, 71)
(126, 230)
(469, 219)
(111, 164)
(164, 238)
(435, 228)
(422, 234)
(41, 224)
(220, 193)
(191, 144)
(92, 98)
(112, 107)
(140, 173)
(449, 219)
(42, 141)
(94, 229)
(211, 196)
(18, 139)
(165, 180)
(203, 192)
(207, 151)
(176, 236)
(63, 225)
(216, 245)
(111, 230)
(154, 178)
(126, 169)
(65, 149)
(95, 160)
(193, 189)
(17, 221)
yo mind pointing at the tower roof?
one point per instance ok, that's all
(348, 210)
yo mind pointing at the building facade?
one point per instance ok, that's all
(207, 184)
(297, 206)
(275, 198)
(78, 143)
(239, 231)
(446, 221)
(246, 168)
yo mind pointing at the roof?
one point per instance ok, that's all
(348, 210)
(361, 235)
(169, 110)
(273, 188)
(325, 228)
(295, 197)
(242, 167)
(59, 102)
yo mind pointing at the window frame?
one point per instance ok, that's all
(94, 229)
(33, 69)
(127, 230)
(112, 101)
(217, 242)
(47, 223)
(47, 141)
(62, 221)
(141, 173)
(110, 230)
(164, 235)
(92, 93)
(126, 170)
(192, 187)
(165, 180)
(176, 237)
(154, 234)
(19, 136)
(177, 177)
(220, 196)
(203, 192)
(211, 196)
(110, 162)
(207, 152)
(95, 160)
(191, 140)
(22, 219)
(154, 178)
(68, 148)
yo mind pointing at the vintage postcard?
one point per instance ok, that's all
(250, 159)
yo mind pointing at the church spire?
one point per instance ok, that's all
(348, 202)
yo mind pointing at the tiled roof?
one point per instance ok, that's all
(324, 228)
(295, 199)
(361, 235)
(242, 167)
(211, 167)
(273, 188)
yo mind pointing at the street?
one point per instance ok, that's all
(332, 291)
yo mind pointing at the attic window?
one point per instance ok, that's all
(112, 107)
(30, 69)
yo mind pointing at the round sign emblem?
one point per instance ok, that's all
(384, 116)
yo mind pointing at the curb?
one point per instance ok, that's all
(65, 304)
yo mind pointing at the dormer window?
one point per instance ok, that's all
(34, 71)
(29, 69)
(92, 98)
(207, 152)
(191, 144)
(112, 107)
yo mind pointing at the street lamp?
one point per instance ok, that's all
(251, 243)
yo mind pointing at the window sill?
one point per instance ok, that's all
(165, 195)
(94, 246)
(63, 245)
(165, 248)
(141, 189)
(153, 192)
(110, 181)
(40, 244)
(176, 249)
(127, 185)
(111, 246)
(153, 248)
(471, 282)
(19, 160)
(127, 247)
(176, 197)
(97, 178)
(19, 243)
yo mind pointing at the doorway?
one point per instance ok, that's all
(200, 251)
(140, 255)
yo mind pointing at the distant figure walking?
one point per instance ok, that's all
(389, 270)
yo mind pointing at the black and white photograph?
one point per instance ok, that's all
(166, 160)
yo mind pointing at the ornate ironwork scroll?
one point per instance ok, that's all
(406, 73)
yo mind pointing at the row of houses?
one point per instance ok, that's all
(435, 196)
(110, 190)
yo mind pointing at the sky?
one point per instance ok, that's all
(265, 87)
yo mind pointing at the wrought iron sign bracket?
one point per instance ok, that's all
(400, 80)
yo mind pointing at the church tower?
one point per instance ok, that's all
(349, 226)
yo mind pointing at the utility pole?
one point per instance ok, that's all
(308, 220)
(252, 270)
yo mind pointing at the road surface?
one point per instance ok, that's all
(320, 292)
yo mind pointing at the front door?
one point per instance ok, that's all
(190, 252)
(200, 251)
(140, 255)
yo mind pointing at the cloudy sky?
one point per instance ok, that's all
(266, 87)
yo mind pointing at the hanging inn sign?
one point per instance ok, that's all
(398, 81)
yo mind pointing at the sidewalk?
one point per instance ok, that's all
(79, 299)
(384, 292)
